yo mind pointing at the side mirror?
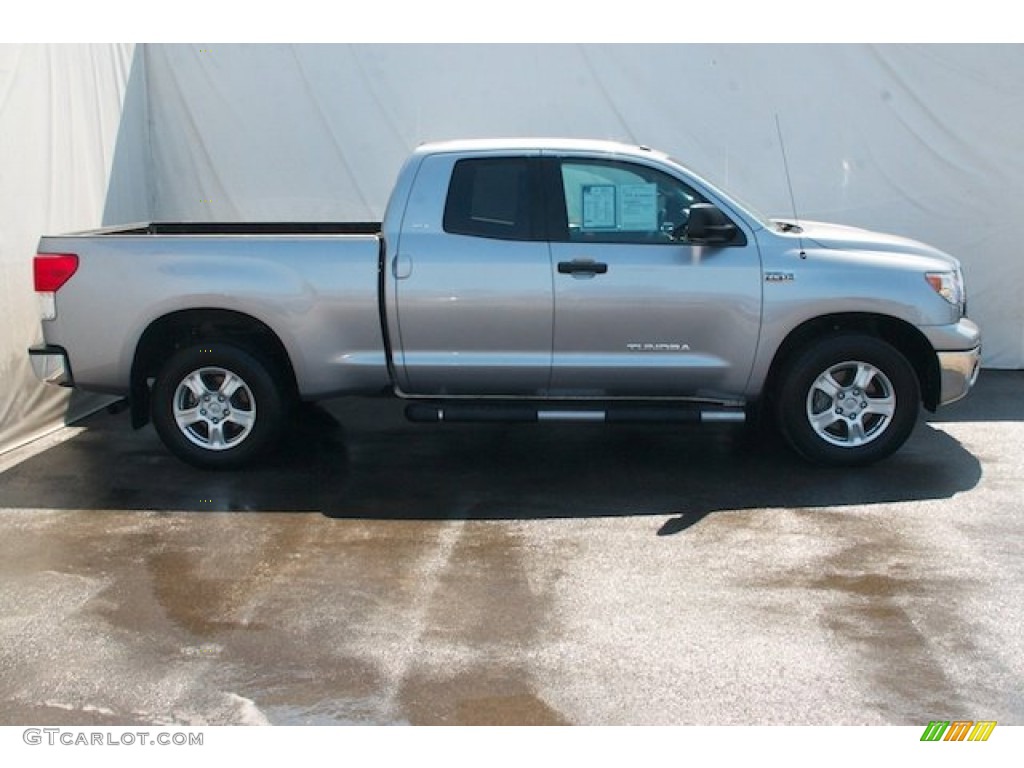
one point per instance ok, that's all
(709, 226)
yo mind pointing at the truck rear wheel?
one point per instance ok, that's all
(216, 406)
(848, 400)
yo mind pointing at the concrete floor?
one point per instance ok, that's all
(383, 572)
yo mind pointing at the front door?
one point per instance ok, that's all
(639, 310)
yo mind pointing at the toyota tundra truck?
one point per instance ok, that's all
(514, 280)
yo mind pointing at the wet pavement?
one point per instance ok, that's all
(375, 571)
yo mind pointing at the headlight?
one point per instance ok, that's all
(950, 286)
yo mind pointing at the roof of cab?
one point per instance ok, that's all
(597, 146)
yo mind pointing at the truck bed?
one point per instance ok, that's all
(315, 285)
(246, 228)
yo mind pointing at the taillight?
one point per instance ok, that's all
(52, 270)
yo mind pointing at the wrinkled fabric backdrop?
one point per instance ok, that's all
(920, 140)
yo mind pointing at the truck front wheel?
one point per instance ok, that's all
(216, 406)
(848, 400)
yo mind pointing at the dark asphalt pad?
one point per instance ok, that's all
(360, 458)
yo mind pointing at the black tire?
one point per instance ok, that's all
(217, 406)
(848, 400)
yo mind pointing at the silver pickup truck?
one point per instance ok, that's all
(527, 280)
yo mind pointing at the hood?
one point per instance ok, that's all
(844, 238)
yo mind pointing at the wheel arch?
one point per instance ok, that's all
(169, 333)
(901, 335)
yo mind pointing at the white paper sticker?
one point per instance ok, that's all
(599, 206)
(638, 207)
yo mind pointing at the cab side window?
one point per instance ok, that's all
(609, 201)
(491, 197)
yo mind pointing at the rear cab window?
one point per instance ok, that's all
(494, 197)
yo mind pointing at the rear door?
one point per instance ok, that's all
(639, 310)
(472, 279)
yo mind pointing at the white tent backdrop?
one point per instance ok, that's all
(925, 141)
(60, 121)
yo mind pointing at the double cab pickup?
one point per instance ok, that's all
(529, 280)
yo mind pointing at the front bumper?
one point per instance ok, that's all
(959, 372)
(50, 365)
(958, 349)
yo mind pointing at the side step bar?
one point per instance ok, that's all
(517, 412)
